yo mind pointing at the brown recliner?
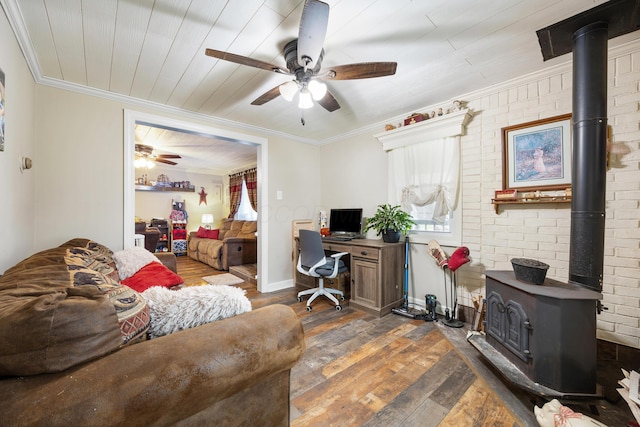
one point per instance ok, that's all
(151, 235)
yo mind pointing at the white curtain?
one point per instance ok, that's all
(424, 174)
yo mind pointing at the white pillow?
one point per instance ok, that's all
(191, 306)
(129, 261)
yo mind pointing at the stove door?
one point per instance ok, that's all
(509, 324)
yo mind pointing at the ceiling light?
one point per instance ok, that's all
(288, 90)
(142, 162)
(304, 100)
(318, 89)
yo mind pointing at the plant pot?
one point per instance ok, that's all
(390, 236)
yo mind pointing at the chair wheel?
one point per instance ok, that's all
(299, 299)
(308, 308)
(342, 298)
(338, 307)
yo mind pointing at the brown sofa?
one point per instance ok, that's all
(236, 245)
(72, 354)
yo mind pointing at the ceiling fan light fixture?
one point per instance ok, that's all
(288, 90)
(304, 99)
(142, 162)
(318, 89)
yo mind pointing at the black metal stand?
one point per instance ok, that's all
(450, 318)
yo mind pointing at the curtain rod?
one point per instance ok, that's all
(233, 175)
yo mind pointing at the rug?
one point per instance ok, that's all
(176, 310)
(223, 279)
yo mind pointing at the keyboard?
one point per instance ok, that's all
(338, 238)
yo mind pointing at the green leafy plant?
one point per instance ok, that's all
(389, 219)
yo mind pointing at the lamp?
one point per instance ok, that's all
(207, 220)
(308, 90)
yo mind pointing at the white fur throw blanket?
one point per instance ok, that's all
(176, 310)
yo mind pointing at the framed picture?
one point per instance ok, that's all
(537, 155)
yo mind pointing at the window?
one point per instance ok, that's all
(245, 211)
(424, 180)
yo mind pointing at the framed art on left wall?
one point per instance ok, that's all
(2, 104)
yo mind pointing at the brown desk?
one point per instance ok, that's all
(376, 271)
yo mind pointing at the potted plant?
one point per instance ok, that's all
(390, 221)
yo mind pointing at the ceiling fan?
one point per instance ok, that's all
(145, 157)
(303, 58)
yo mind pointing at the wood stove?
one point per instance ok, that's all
(543, 337)
(547, 331)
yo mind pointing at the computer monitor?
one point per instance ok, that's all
(346, 222)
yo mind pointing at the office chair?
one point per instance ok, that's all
(312, 262)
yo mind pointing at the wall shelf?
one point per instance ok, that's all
(159, 188)
(531, 201)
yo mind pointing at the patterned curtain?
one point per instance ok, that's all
(251, 179)
(235, 191)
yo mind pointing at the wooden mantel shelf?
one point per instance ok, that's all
(531, 201)
(162, 188)
(448, 125)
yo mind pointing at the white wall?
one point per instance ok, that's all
(294, 170)
(17, 189)
(79, 188)
(539, 232)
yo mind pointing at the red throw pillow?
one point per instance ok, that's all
(152, 274)
(202, 232)
(213, 234)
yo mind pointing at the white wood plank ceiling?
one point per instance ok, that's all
(153, 50)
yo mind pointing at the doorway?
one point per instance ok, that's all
(131, 118)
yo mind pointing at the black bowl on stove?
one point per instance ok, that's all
(529, 270)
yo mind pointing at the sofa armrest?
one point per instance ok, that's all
(169, 260)
(160, 381)
(239, 251)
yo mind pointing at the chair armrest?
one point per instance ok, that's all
(161, 381)
(169, 260)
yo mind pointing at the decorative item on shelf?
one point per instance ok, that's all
(506, 194)
(390, 222)
(567, 192)
(457, 105)
(163, 181)
(389, 127)
(440, 112)
(414, 118)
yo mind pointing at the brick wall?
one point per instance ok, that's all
(542, 231)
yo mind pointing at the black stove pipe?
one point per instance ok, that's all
(588, 177)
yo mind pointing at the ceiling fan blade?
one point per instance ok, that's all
(267, 96)
(244, 60)
(363, 70)
(168, 156)
(312, 32)
(329, 102)
(168, 162)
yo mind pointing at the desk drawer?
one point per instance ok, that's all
(366, 253)
(336, 247)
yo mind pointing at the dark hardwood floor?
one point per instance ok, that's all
(393, 371)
